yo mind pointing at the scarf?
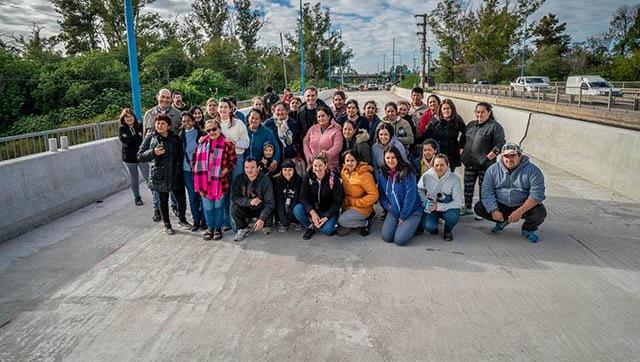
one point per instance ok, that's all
(284, 133)
(208, 166)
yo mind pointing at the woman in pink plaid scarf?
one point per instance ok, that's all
(212, 163)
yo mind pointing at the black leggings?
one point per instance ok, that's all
(164, 205)
(470, 177)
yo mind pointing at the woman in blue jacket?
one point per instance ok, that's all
(399, 198)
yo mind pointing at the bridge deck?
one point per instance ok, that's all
(106, 284)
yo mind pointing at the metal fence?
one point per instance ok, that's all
(555, 94)
(31, 143)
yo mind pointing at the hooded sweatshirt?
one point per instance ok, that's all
(445, 190)
(377, 152)
(512, 188)
(482, 138)
(398, 194)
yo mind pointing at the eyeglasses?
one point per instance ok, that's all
(214, 129)
(510, 155)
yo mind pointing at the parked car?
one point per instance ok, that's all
(593, 85)
(531, 84)
(373, 86)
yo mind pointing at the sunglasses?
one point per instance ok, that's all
(214, 129)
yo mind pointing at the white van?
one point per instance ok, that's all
(593, 85)
(531, 84)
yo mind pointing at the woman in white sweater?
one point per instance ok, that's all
(441, 195)
(234, 130)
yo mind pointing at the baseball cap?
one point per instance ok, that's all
(510, 148)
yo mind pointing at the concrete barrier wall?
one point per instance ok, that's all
(39, 188)
(605, 155)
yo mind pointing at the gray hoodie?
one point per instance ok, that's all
(512, 188)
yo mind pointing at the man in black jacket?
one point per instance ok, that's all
(252, 196)
(307, 112)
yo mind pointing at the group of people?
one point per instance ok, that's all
(318, 167)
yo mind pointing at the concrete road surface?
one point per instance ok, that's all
(106, 284)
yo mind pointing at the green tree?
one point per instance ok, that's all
(36, 47)
(248, 24)
(549, 32)
(211, 16)
(17, 79)
(450, 24)
(165, 64)
(78, 26)
(623, 30)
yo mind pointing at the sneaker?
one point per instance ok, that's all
(184, 224)
(138, 201)
(174, 209)
(308, 234)
(464, 211)
(169, 230)
(477, 217)
(208, 235)
(195, 227)
(156, 216)
(266, 230)
(365, 230)
(217, 234)
(298, 227)
(530, 235)
(499, 227)
(226, 228)
(448, 236)
(241, 234)
(282, 229)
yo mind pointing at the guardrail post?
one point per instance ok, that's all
(64, 142)
(53, 145)
(557, 95)
(636, 104)
(98, 131)
(609, 100)
(580, 98)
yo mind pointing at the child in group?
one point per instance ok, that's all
(287, 195)
(267, 157)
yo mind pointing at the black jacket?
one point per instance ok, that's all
(165, 171)
(131, 140)
(480, 139)
(450, 135)
(325, 195)
(303, 113)
(243, 190)
(287, 192)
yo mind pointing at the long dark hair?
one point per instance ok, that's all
(387, 127)
(229, 102)
(128, 111)
(403, 169)
(355, 103)
(454, 112)
(486, 106)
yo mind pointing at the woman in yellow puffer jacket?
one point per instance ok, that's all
(360, 193)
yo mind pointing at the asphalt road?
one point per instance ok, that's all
(106, 284)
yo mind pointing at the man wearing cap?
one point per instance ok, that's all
(513, 189)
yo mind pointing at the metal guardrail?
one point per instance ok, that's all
(32, 143)
(555, 94)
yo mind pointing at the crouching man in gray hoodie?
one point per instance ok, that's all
(513, 189)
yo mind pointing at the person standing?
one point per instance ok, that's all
(213, 163)
(484, 138)
(401, 127)
(356, 140)
(286, 131)
(307, 113)
(259, 135)
(337, 105)
(449, 130)
(211, 109)
(418, 107)
(399, 198)
(163, 107)
(324, 137)
(189, 136)
(178, 103)
(163, 150)
(130, 135)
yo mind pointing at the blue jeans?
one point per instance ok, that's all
(213, 213)
(301, 214)
(450, 217)
(195, 201)
(401, 234)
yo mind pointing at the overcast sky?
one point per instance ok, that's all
(368, 26)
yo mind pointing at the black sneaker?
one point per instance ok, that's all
(174, 209)
(139, 201)
(448, 236)
(365, 230)
(308, 234)
(195, 227)
(169, 230)
(156, 216)
(184, 224)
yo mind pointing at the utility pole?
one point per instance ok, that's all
(301, 52)
(384, 63)
(422, 37)
(524, 46)
(284, 63)
(393, 62)
(133, 60)
(428, 65)
(341, 69)
(329, 55)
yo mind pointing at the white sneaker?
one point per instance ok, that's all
(477, 217)
(241, 234)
